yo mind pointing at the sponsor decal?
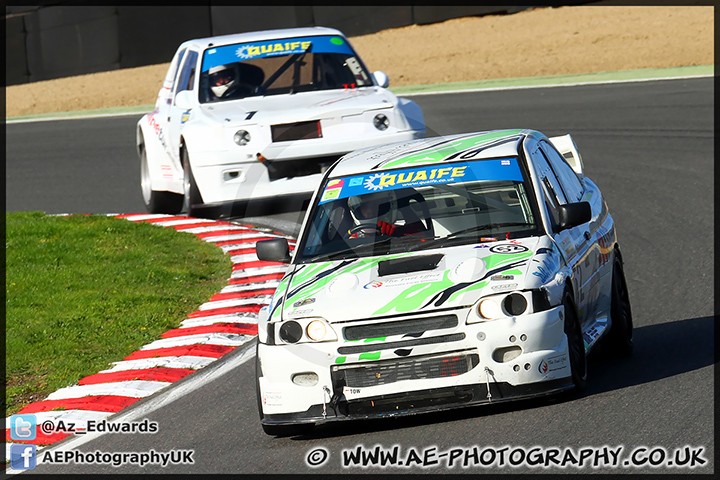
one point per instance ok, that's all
(300, 313)
(166, 171)
(156, 127)
(501, 288)
(553, 363)
(271, 48)
(414, 280)
(508, 249)
(411, 280)
(273, 399)
(246, 52)
(307, 301)
(548, 267)
(333, 189)
(591, 335)
(185, 116)
(497, 278)
(426, 175)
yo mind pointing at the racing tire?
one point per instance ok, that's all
(576, 344)
(619, 339)
(155, 201)
(276, 430)
(192, 199)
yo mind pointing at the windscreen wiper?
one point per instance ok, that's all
(485, 227)
(439, 241)
(337, 255)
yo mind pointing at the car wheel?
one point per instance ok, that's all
(191, 199)
(156, 202)
(576, 344)
(621, 325)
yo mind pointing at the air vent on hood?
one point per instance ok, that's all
(296, 131)
(409, 264)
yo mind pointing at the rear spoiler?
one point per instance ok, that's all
(567, 148)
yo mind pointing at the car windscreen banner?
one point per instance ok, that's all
(270, 48)
(495, 169)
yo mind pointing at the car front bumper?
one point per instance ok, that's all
(226, 176)
(463, 367)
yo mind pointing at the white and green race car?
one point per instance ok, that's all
(439, 273)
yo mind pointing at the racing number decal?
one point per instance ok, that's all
(508, 249)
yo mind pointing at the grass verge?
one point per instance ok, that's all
(85, 291)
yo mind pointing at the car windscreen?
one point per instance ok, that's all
(419, 208)
(275, 67)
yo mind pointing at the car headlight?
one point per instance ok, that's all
(290, 332)
(502, 305)
(304, 330)
(242, 137)
(381, 121)
(316, 330)
(515, 304)
(489, 309)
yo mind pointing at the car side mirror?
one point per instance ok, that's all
(184, 100)
(274, 250)
(574, 214)
(381, 78)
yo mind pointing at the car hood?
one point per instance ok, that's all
(363, 288)
(300, 106)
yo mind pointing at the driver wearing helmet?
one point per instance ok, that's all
(375, 214)
(223, 80)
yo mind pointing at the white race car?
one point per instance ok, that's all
(440, 273)
(262, 114)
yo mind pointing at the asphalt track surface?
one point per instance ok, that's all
(649, 146)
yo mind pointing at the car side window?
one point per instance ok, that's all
(569, 180)
(551, 202)
(545, 172)
(187, 73)
(169, 81)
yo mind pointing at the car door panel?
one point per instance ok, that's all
(573, 242)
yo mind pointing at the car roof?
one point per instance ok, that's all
(428, 151)
(260, 36)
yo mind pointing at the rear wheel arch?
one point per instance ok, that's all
(155, 201)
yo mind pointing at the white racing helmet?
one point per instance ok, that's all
(223, 78)
(373, 207)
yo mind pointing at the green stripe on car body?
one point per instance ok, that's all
(433, 155)
(492, 261)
